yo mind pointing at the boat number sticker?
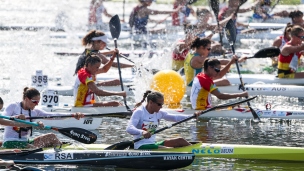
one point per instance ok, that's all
(117, 154)
(50, 97)
(58, 156)
(39, 80)
(177, 157)
(207, 150)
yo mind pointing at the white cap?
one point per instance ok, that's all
(103, 38)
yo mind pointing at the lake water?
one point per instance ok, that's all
(24, 52)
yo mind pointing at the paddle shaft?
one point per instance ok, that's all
(255, 116)
(118, 114)
(120, 77)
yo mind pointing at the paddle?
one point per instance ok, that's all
(230, 31)
(215, 8)
(78, 134)
(266, 52)
(154, 71)
(241, 3)
(118, 114)
(115, 29)
(125, 144)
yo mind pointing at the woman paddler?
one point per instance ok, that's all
(289, 58)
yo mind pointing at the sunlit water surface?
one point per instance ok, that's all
(24, 52)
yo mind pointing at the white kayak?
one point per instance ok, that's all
(264, 78)
(68, 90)
(226, 113)
(263, 89)
(89, 123)
(80, 35)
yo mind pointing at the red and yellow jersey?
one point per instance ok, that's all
(200, 92)
(82, 94)
(284, 61)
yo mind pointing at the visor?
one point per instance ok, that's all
(103, 38)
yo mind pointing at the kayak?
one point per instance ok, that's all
(263, 89)
(265, 78)
(88, 123)
(238, 151)
(132, 159)
(68, 90)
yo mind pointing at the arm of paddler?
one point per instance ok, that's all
(92, 86)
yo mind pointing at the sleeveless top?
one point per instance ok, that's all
(190, 72)
(200, 96)
(284, 61)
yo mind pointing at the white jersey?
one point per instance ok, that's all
(10, 132)
(142, 120)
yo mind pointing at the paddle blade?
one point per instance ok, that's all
(115, 27)
(215, 6)
(120, 146)
(267, 52)
(78, 134)
(230, 32)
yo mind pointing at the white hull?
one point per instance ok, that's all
(85, 123)
(263, 89)
(275, 113)
(68, 90)
(234, 113)
(265, 78)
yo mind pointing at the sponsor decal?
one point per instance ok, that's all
(260, 113)
(118, 154)
(58, 156)
(278, 89)
(213, 150)
(88, 121)
(177, 157)
(75, 134)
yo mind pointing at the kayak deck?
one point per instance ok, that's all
(104, 158)
(259, 152)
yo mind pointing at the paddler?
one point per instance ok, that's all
(95, 41)
(85, 87)
(194, 62)
(146, 119)
(19, 137)
(297, 18)
(289, 58)
(203, 85)
(280, 41)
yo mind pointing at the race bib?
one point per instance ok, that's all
(39, 80)
(50, 97)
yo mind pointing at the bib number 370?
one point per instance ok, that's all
(50, 97)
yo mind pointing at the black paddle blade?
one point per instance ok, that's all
(215, 7)
(79, 134)
(267, 52)
(230, 32)
(120, 146)
(115, 27)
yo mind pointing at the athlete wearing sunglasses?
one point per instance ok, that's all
(194, 62)
(290, 55)
(19, 137)
(146, 119)
(203, 86)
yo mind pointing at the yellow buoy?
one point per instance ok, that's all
(170, 84)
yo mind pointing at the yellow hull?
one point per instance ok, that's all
(227, 151)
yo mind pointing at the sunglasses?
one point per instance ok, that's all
(208, 49)
(216, 69)
(34, 101)
(301, 37)
(159, 104)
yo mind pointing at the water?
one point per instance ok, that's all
(24, 52)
